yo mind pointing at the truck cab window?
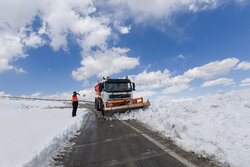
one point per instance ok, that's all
(116, 87)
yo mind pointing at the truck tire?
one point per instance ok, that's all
(95, 104)
(101, 107)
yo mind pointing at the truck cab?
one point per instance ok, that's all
(115, 94)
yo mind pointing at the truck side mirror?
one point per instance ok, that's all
(100, 86)
(133, 86)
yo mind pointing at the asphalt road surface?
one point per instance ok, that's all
(115, 143)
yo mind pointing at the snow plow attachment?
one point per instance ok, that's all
(122, 106)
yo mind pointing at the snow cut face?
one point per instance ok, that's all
(212, 126)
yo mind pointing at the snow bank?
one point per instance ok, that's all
(215, 126)
(32, 131)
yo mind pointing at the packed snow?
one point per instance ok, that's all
(33, 130)
(215, 126)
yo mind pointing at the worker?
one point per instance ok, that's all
(74, 103)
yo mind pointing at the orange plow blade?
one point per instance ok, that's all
(124, 105)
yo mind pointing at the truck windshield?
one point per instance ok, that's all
(118, 87)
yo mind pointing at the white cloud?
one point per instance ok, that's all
(124, 30)
(148, 10)
(33, 40)
(150, 80)
(20, 70)
(245, 82)
(206, 71)
(212, 69)
(158, 79)
(180, 56)
(11, 48)
(85, 94)
(175, 88)
(86, 83)
(16, 14)
(95, 38)
(144, 94)
(220, 81)
(79, 19)
(103, 63)
(243, 66)
(60, 20)
(16, 18)
(151, 77)
(4, 94)
(191, 89)
(37, 94)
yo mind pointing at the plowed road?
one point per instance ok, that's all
(117, 143)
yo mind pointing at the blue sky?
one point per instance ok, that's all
(55, 50)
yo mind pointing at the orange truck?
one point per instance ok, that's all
(116, 95)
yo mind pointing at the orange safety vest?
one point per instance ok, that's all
(74, 98)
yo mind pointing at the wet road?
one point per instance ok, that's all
(113, 143)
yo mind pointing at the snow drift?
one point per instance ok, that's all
(33, 130)
(214, 126)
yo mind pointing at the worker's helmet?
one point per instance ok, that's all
(74, 92)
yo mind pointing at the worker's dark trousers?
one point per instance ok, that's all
(75, 105)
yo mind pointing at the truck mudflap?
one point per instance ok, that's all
(122, 106)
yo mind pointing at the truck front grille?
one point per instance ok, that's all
(120, 96)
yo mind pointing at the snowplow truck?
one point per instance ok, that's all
(116, 96)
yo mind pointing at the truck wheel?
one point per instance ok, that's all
(101, 107)
(95, 104)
